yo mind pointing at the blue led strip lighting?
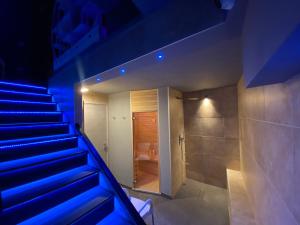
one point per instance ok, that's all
(32, 126)
(26, 139)
(44, 113)
(48, 160)
(23, 93)
(27, 102)
(36, 143)
(23, 85)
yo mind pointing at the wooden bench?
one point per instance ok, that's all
(240, 211)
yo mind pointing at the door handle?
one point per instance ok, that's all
(105, 147)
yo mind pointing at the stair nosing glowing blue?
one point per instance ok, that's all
(82, 199)
(52, 191)
(33, 139)
(23, 85)
(49, 161)
(28, 102)
(34, 126)
(26, 112)
(26, 93)
(36, 143)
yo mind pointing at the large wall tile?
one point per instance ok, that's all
(270, 150)
(278, 107)
(212, 133)
(206, 126)
(294, 87)
(296, 175)
(229, 100)
(255, 100)
(231, 127)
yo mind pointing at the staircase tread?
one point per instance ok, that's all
(24, 93)
(7, 83)
(34, 142)
(26, 102)
(28, 112)
(42, 186)
(71, 210)
(38, 159)
(34, 139)
(35, 124)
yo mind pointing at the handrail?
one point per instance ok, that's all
(115, 184)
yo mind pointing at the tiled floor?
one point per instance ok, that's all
(195, 204)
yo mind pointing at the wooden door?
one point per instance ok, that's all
(145, 146)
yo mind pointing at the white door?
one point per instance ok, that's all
(95, 126)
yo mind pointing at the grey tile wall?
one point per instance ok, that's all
(270, 150)
(211, 128)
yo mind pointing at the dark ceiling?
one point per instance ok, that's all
(25, 40)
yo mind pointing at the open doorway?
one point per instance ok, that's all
(145, 151)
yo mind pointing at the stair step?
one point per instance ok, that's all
(18, 172)
(33, 160)
(24, 96)
(22, 87)
(17, 151)
(13, 105)
(22, 193)
(29, 117)
(34, 139)
(89, 207)
(115, 218)
(32, 207)
(32, 130)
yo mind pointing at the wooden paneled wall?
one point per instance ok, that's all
(95, 98)
(144, 101)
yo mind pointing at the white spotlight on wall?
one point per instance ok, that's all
(84, 90)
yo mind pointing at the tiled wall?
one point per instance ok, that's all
(269, 118)
(211, 127)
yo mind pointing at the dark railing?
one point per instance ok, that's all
(114, 183)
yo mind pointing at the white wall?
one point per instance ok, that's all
(164, 141)
(120, 155)
(120, 139)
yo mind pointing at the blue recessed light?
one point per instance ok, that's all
(160, 56)
(122, 71)
(98, 79)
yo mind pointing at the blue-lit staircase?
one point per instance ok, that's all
(46, 177)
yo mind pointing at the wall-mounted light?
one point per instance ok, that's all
(84, 90)
(98, 79)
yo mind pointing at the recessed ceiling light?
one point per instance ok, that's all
(122, 71)
(160, 56)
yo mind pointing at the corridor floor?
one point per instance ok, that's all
(195, 204)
